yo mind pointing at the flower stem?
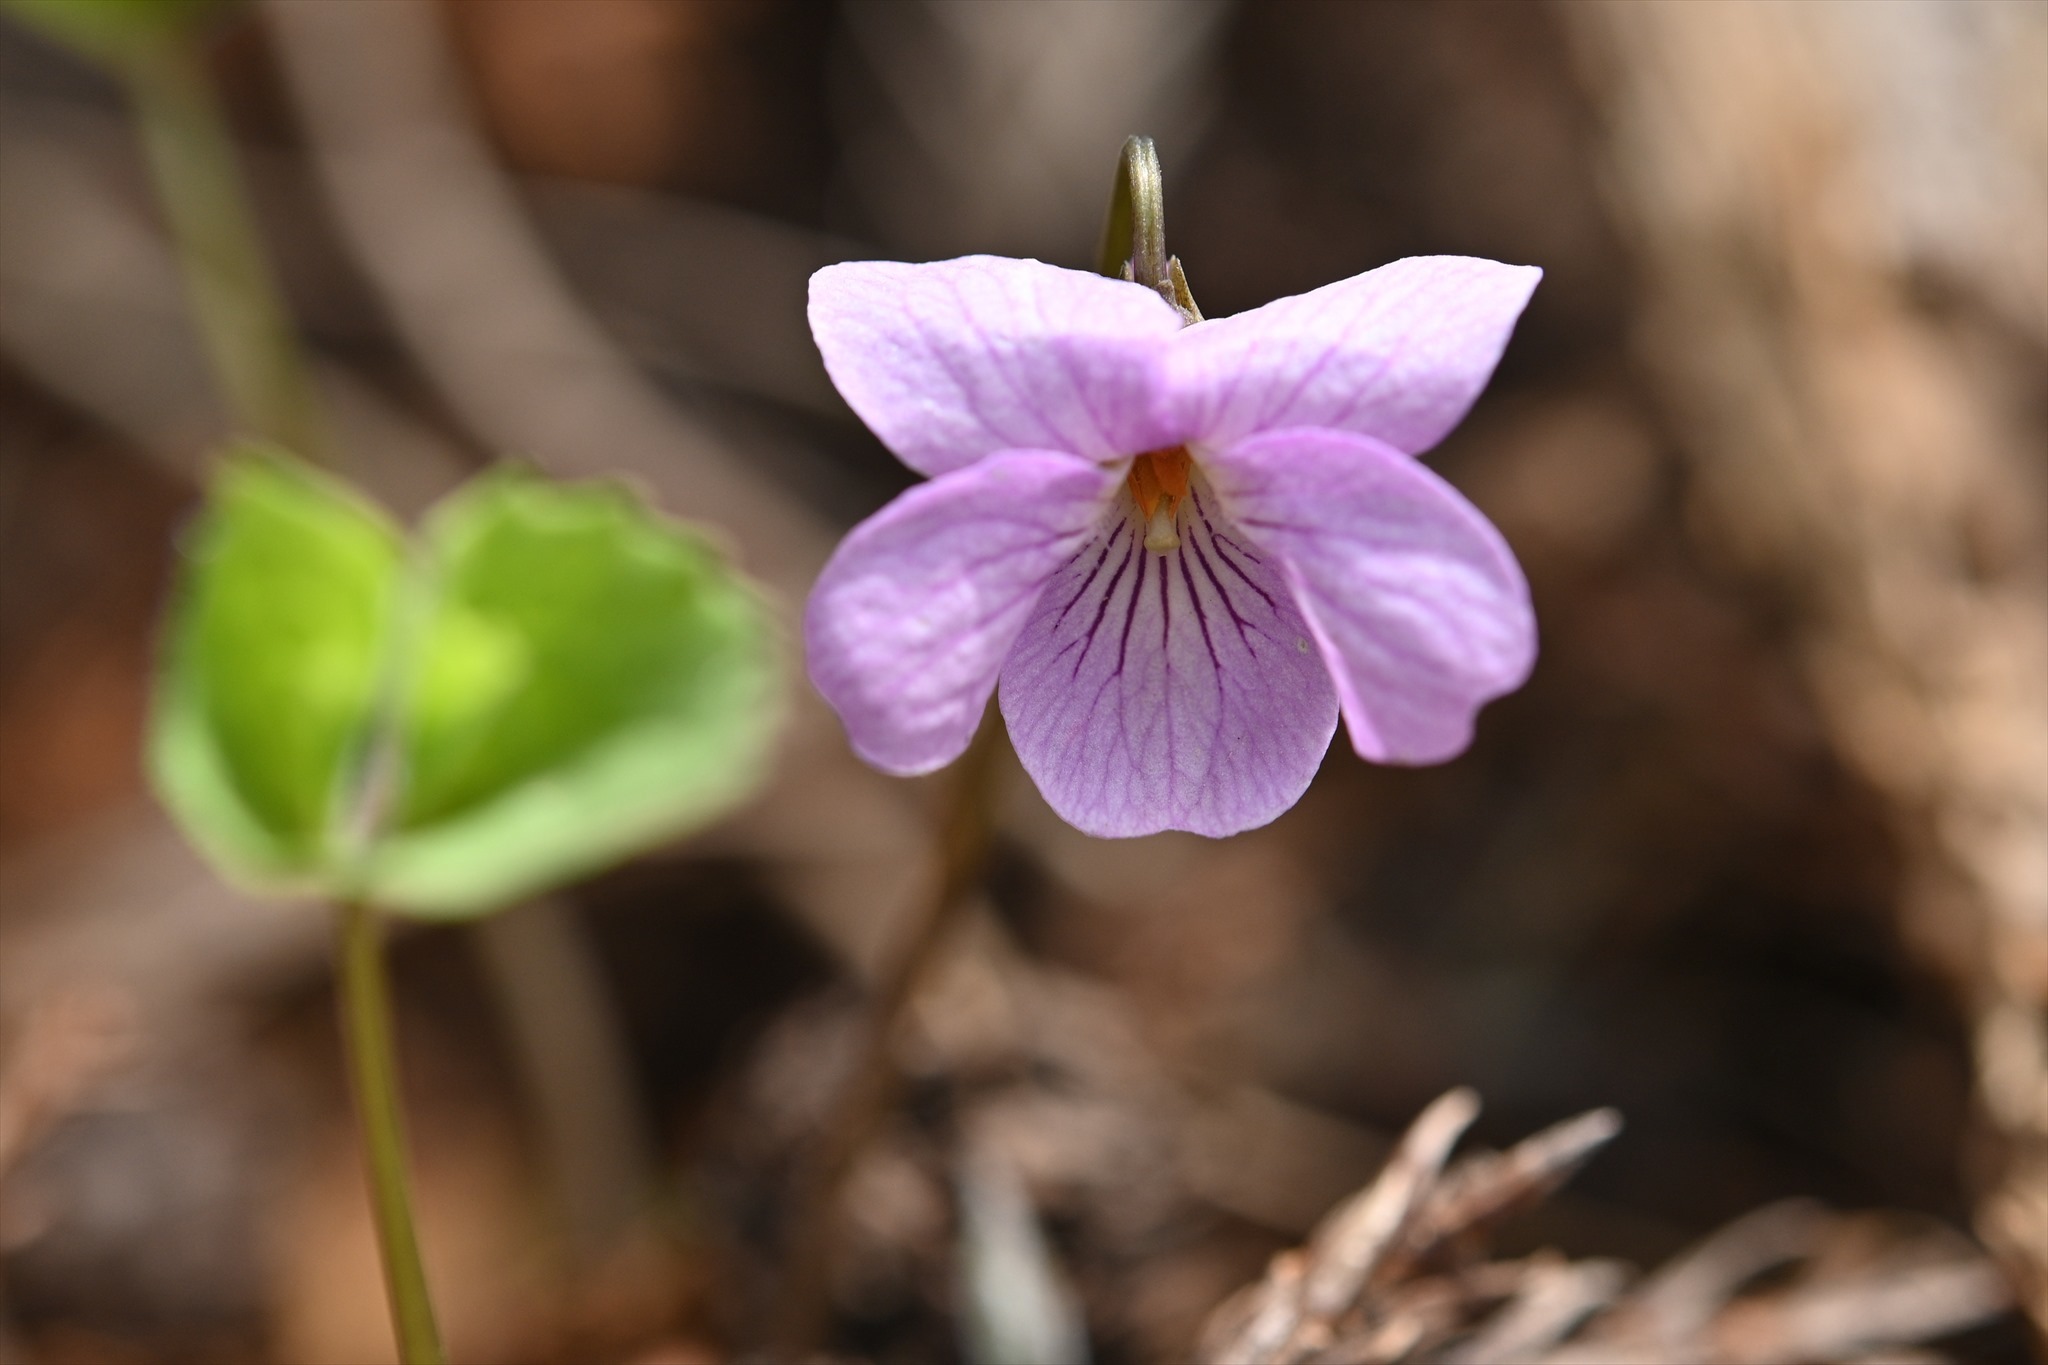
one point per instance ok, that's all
(373, 1075)
(235, 298)
(871, 1085)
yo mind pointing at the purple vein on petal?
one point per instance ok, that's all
(1102, 608)
(948, 363)
(1131, 612)
(1178, 728)
(1201, 617)
(1217, 535)
(1370, 385)
(1165, 609)
(1236, 619)
(1256, 559)
(1217, 543)
(1100, 560)
(987, 347)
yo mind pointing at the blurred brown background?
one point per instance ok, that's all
(1759, 857)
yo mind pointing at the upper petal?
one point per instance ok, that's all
(1176, 691)
(1397, 354)
(1419, 607)
(911, 618)
(955, 360)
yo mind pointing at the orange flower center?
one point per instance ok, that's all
(1159, 480)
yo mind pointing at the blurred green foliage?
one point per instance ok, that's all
(264, 703)
(552, 678)
(110, 29)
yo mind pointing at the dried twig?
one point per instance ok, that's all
(1679, 1301)
(1481, 1190)
(1373, 1287)
(1303, 1295)
(1350, 1244)
(1872, 1312)
(1554, 1298)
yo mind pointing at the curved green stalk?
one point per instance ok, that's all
(1134, 232)
(264, 380)
(234, 296)
(373, 1076)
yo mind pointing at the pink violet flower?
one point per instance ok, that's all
(1180, 549)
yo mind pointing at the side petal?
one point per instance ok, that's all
(955, 360)
(910, 620)
(1420, 609)
(1397, 354)
(1175, 691)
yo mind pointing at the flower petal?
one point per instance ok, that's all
(952, 361)
(911, 618)
(1174, 691)
(1397, 354)
(1419, 606)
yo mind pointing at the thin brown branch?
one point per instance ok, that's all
(870, 1088)
(1302, 1298)
(1481, 1190)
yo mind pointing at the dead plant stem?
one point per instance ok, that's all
(871, 1086)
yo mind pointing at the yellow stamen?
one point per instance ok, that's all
(1159, 480)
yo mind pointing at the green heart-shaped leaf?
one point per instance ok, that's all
(278, 641)
(589, 679)
(558, 679)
